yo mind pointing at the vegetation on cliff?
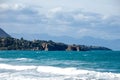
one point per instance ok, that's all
(8, 43)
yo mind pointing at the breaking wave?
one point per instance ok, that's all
(25, 72)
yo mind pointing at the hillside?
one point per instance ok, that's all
(86, 40)
(21, 44)
(9, 43)
(3, 33)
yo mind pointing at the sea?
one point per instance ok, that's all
(59, 65)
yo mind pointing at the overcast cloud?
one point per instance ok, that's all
(62, 19)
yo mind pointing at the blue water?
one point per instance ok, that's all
(59, 65)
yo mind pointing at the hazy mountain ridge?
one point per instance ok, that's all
(3, 33)
(113, 44)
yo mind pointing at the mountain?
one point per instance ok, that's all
(3, 33)
(112, 44)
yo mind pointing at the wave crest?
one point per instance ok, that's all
(55, 73)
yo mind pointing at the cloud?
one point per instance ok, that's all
(20, 14)
(55, 10)
(11, 6)
(87, 24)
(59, 22)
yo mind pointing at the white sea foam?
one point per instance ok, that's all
(16, 59)
(19, 68)
(24, 59)
(61, 71)
(52, 73)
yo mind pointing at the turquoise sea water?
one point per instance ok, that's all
(59, 65)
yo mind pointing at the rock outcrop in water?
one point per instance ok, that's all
(9, 43)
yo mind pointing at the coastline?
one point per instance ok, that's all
(9, 43)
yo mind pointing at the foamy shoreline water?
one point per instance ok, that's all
(32, 65)
(16, 72)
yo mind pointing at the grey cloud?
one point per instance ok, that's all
(64, 23)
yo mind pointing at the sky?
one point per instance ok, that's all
(72, 18)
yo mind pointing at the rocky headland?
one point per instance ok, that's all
(9, 43)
